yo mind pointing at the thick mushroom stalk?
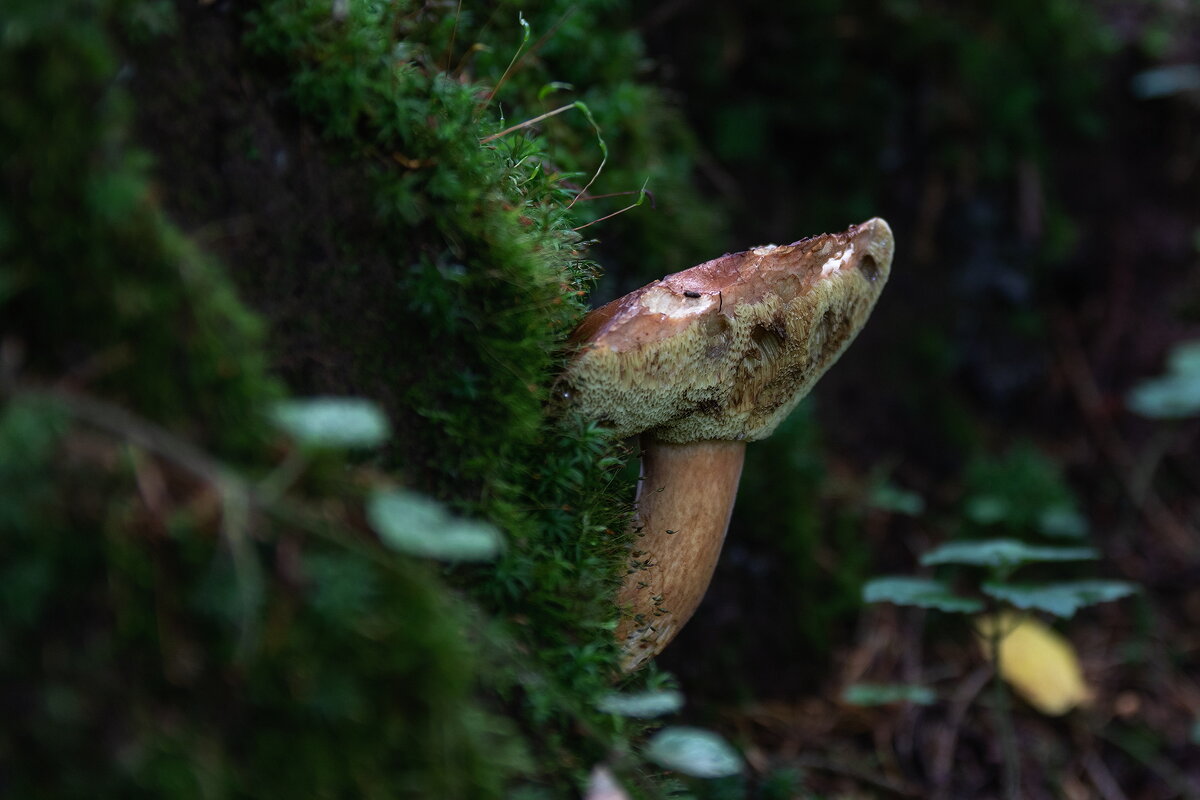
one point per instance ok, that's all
(698, 364)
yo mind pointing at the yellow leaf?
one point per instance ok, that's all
(1040, 665)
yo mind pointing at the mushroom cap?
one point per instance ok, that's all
(726, 349)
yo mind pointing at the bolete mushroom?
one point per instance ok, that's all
(698, 364)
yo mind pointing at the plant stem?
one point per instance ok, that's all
(1004, 725)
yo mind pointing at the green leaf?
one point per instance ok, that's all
(1061, 599)
(1002, 553)
(920, 592)
(334, 422)
(642, 705)
(416, 525)
(554, 86)
(693, 751)
(1062, 521)
(887, 497)
(881, 694)
(1174, 396)
(1184, 358)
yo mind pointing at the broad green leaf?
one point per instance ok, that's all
(892, 498)
(879, 694)
(334, 422)
(1062, 521)
(419, 526)
(642, 705)
(921, 592)
(1037, 662)
(1062, 599)
(1184, 359)
(1173, 396)
(693, 751)
(1002, 553)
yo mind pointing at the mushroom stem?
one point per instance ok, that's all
(684, 503)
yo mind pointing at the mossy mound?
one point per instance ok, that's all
(187, 611)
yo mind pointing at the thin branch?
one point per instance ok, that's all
(527, 123)
(125, 425)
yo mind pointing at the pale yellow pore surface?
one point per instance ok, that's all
(725, 350)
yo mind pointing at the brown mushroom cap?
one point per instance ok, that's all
(726, 349)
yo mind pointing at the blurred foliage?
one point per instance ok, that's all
(1018, 493)
(78, 201)
(998, 82)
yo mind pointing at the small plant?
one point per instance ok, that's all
(1038, 663)
(996, 594)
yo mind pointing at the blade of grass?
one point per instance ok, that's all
(641, 199)
(524, 41)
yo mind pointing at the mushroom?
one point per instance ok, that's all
(699, 363)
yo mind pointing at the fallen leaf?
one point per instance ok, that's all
(1039, 664)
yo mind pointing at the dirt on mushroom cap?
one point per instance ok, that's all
(726, 349)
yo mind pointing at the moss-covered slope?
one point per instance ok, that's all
(206, 208)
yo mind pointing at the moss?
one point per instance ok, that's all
(481, 260)
(145, 660)
(98, 281)
(329, 173)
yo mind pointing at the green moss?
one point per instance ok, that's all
(485, 264)
(191, 644)
(98, 283)
(144, 660)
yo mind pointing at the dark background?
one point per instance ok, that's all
(1046, 219)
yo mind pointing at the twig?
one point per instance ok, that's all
(861, 775)
(1101, 778)
(1175, 778)
(125, 425)
(608, 216)
(947, 739)
(237, 495)
(526, 123)
(1003, 710)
